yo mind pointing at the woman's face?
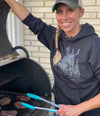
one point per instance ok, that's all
(68, 19)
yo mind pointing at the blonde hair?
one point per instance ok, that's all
(57, 56)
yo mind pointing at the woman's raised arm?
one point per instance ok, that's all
(20, 11)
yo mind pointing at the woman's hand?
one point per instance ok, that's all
(69, 110)
(76, 110)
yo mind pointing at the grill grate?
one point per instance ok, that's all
(16, 98)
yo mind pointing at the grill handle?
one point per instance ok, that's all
(22, 48)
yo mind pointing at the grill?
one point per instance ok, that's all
(18, 76)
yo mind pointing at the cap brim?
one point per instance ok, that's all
(68, 3)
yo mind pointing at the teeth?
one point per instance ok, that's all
(66, 23)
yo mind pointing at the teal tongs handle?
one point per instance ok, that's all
(42, 99)
(39, 108)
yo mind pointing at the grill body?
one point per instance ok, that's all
(21, 77)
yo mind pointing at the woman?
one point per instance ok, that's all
(74, 56)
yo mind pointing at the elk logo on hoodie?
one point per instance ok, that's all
(68, 65)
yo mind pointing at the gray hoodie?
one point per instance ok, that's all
(77, 74)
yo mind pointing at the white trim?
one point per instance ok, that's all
(14, 29)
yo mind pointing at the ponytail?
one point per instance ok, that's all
(57, 56)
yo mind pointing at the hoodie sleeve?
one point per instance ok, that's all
(46, 33)
(95, 58)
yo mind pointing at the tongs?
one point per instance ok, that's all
(42, 99)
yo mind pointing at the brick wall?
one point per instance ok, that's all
(42, 9)
(92, 13)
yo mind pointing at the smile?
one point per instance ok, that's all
(66, 24)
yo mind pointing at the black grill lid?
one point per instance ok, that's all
(7, 54)
(5, 46)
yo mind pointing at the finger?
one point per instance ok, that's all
(58, 112)
(62, 114)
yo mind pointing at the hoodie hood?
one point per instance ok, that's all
(86, 31)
